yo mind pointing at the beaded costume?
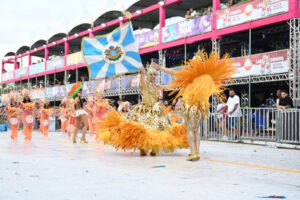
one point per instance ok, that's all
(146, 127)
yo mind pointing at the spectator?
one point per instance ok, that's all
(285, 101)
(208, 10)
(202, 12)
(179, 105)
(188, 15)
(120, 102)
(193, 13)
(58, 82)
(166, 103)
(233, 108)
(232, 2)
(221, 110)
(278, 95)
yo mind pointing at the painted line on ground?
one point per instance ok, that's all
(251, 165)
(211, 160)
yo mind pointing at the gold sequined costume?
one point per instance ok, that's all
(146, 127)
(200, 78)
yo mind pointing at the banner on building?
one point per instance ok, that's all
(250, 11)
(262, 64)
(37, 68)
(148, 39)
(38, 93)
(74, 59)
(186, 28)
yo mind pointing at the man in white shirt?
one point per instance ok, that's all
(193, 13)
(234, 112)
(119, 106)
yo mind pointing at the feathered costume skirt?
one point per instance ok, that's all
(145, 127)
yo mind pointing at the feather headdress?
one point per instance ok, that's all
(75, 89)
(202, 77)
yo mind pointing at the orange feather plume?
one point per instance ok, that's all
(202, 77)
(74, 89)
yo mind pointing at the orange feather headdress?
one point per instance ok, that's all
(75, 89)
(202, 77)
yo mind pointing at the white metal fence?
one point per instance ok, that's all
(267, 124)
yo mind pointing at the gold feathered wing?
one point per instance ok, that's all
(202, 77)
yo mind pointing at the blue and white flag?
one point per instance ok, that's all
(112, 54)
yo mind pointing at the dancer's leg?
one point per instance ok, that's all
(46, 131)
(63, 127)
(143, 152)
(91, 126)
(28, 132)
(14, 132)
(78, 123)
(84, 120)
(198, 135)
(192, 119)
(41, 128)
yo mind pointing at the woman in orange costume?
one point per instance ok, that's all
(63, 115)
(71, 122)
(13, 113)
(100, 107)
(28, 115)
(44, 118)
(90, 108)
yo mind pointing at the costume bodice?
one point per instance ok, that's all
(150, 93)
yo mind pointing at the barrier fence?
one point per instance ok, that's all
(269, 124)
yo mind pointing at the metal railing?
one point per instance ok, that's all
(268, 124)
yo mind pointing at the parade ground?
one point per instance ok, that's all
(55, 168)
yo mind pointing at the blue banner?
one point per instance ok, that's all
(37, 68)
(56, 63)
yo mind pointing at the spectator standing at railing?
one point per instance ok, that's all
(193, 13)
(233, 109)
(232, 2)
(188, 15)
(285, 102)
(221, 111)
(119, 109)
(278, 95)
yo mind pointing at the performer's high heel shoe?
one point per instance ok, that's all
(153, 153)
(193, 157)
(143, 152)
(74, 139)
(83, 141)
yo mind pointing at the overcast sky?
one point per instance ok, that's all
(25, 21)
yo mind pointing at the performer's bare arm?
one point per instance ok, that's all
(142, 78)
(164, 69)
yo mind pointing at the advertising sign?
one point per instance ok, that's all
(250, 11)
(262, 64)
(186, 28)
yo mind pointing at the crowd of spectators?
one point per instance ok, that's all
(191, 13)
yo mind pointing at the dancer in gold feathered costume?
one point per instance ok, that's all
(199, 79)
(146, 127)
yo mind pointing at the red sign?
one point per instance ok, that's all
(250, 11)
(262, 64)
